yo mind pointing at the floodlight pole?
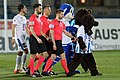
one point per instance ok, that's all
(40, 1)
(5, 25)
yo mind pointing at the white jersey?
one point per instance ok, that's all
(87, 40)
(20, 29)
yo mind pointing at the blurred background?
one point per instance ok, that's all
(101, 8)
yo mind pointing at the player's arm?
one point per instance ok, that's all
(43, 34)
(53, 40)
(68, 34)
(34, 34)
(51, 26)
(13, 33)
(27, 30)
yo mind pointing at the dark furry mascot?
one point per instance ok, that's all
(85, 20)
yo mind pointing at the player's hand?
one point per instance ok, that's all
(49, 40)
(13, 41)
(39, 40)
(74, 39)
(54, 47)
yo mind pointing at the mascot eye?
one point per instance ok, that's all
(71, 11)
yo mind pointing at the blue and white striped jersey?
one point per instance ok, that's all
(87, 40)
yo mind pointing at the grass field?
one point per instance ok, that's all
(108, 62)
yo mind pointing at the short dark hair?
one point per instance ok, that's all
(36, 6)
(46, 6)
(59, 11)
(20, 6)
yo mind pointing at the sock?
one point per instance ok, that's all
(18, 60)
(40, 61)
(31, 66)
(36, 58)
(24, 57)
(64, 65)
(48, 64)
(50, 69)
(56, 60)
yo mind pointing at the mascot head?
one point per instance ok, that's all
(84, 17)
(68, 11)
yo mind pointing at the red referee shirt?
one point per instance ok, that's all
(45, 25)
(58, 27)
(36, 23)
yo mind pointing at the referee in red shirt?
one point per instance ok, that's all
(45, 27)
(57, 28)
(37, 44)
(45, 32)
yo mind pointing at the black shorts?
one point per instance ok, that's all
(59, 50)
(49, 45)
(36, 47)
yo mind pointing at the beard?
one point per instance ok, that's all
(25, 12)
(60, 17)
(39, 12)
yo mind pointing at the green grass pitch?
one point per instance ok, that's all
(108, 62)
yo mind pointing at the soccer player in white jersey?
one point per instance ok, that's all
(19, 32)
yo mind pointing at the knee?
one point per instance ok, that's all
(62, 56)
(33, 56)
(26, 51)
(53, 56)
(45, 54)
(20, 53)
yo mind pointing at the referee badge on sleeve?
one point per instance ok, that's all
(51, 26)
(31, 22)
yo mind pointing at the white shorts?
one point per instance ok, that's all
(21, 42)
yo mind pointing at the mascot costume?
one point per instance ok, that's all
(85, 20)
(66, 41)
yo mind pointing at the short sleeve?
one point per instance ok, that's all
(31, 21)
(15, 20)
(80, 31)
(51, 26)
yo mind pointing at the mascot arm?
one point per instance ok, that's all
(81, 43)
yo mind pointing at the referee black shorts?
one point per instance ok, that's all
(49, 45)
(59, 50)
(36, 47)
